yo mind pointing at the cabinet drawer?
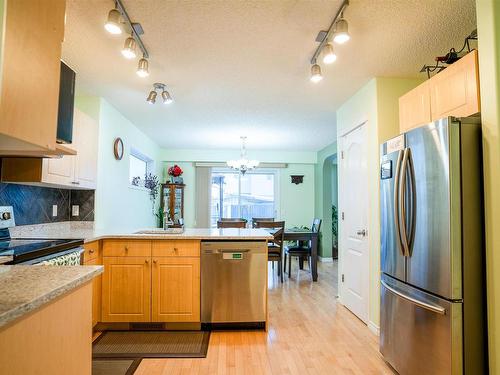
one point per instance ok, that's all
(92, 251)
(173, 248)
(120, 248)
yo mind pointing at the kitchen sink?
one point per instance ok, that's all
(161, 231)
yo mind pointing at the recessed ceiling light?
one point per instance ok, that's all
(129, 48)
(316, 75)
(112, 25)
(143, 68)
(329, 55)
(341, 34)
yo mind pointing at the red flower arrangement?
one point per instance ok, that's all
(175, 171)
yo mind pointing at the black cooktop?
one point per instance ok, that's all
(22, 250)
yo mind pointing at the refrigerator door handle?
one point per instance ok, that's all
(396, 202)
(431, 307)
(413, 212)
(402, 203)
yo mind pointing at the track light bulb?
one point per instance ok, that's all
(167, 99)
(341, 34)
(316, 73)
(329, 55)
(129, 47)
(143, 68)
(112, 25)
(152, 97)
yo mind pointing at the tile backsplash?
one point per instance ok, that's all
(33, 204)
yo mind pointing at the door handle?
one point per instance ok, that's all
(434, 308)
(402, 203)
(396, 202)
(362, 232)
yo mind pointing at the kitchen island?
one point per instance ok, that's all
(152, 278)
(45, 319)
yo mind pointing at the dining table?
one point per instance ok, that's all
(305, 235)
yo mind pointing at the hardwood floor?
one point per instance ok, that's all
(310, 333)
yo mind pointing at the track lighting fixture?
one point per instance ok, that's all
(341, 33)
(167, 99)
(152, 97)
(143, 68)
(129, 48)
(165, 95)
(113, 25)
(329, 55)
(338, 32)
(316, 75)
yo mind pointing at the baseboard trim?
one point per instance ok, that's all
(325, 260)
(374, 328)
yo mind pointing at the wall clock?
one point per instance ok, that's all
(118, 148)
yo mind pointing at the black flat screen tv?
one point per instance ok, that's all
(66, 105)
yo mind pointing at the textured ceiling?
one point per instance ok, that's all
(242, 67)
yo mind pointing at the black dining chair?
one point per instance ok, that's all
(301, 251)
(275, 248)
(257, 219)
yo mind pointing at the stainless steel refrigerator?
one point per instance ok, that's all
(432, 317)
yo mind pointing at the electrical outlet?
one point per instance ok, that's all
(75, 210)
(54, 210)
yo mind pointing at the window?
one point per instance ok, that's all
(139, 166)
(243, 196)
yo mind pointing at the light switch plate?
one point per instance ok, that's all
(75, 210)
(54, 210)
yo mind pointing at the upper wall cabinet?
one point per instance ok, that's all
(455, 91)
(76, 171)
(29, 76)
(415, 107)
(452, 92)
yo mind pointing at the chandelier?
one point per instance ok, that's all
(243, 164)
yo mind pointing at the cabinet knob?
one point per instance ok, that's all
(176, 249)
(126, 248)
(91, 251)
(154, 261)
(147, 261)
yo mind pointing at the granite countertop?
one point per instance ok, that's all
(25, 288)
(87, 232)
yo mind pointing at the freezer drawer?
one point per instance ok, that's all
(233, 281)
(420, 333)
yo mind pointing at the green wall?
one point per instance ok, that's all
(488, 24)
(118, 205)
(376, 103)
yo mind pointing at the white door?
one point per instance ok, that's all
(353, 199)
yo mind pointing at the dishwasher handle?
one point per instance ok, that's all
(225, 251)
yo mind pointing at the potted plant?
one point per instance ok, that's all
(175, 173)
(335, 239)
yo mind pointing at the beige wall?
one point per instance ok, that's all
(488, 22)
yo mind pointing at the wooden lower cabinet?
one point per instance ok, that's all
(96, 292)
(176, 289)
(126, 289)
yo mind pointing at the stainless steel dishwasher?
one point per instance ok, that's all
(233, 282)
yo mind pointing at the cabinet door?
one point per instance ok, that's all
(59, 171)
(126, 289)
(415, 108)
(176, 289)
(455, 90)
(30, 71)
(85, 137)
(96, 293)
